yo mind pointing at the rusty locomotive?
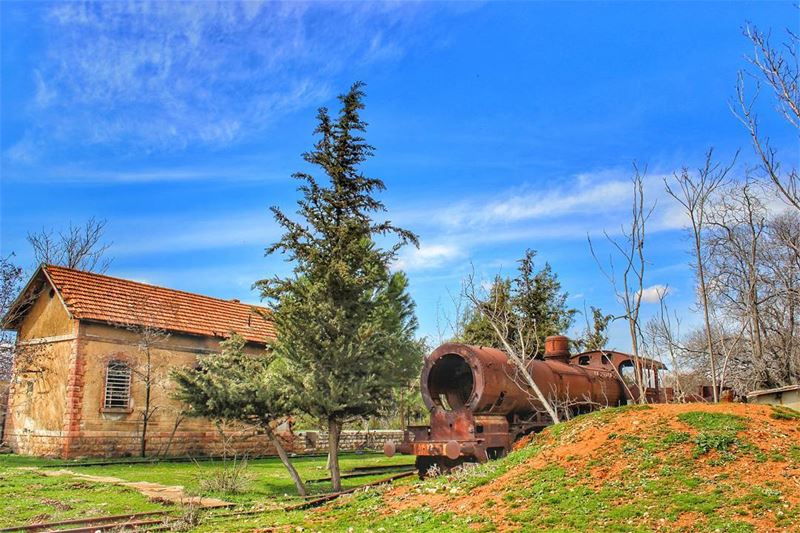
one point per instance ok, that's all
(478, 410)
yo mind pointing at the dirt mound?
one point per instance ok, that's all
(691, 467)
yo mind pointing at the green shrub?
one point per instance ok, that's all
(703, 421)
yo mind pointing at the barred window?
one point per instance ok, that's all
(118, 385)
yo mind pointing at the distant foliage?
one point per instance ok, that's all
(533, 298)
(595, 337)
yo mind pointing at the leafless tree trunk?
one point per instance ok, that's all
(179, 418)
(693, 193)
(629, 286)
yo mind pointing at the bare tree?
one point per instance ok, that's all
(78, 246)
(780, 317)
(735, 243)
(777, 67)
(519, 342)
(663, 334)
(11, 277)
(148, 367)
(628, 285)
(150, 373)
(693, 193)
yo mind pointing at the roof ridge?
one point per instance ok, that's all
(151, 285)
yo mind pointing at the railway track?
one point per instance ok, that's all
(159, 520)
(365, 471)
(100, 523)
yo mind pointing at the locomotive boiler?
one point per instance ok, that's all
(479, 406)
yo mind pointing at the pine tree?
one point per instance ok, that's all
(234, 386)
(533, 299)
(595, 337)
(477, 329)
(345, 324)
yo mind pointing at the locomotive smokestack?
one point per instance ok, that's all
(556, 348)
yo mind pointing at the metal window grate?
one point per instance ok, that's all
(118, 385)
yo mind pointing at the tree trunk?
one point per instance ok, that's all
(178, 421)
(334, 430)
(145, 420)
(707, 319)
(298, 483)
(638, 375)
(143, 439)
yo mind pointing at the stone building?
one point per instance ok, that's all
(788, 396)
(88, 344)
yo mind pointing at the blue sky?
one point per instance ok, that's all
(498, 127)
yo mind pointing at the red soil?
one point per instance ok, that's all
(588, 440)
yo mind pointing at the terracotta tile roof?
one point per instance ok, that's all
(90, 296)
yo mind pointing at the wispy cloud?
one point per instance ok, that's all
(583, 194)
(230, 173)
(567, 209)
(166, 75)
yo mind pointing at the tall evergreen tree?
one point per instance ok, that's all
(345, 324)
(533, 298)
(235, 386)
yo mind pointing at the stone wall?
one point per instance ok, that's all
(350, 440)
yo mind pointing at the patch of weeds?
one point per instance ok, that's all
(472, 475)
(556, 430)
(232, 478)
(764, 499)
(676, 437)
(188, 518)
(720, 442)
(609, 413)
(780, 412)
(720, 422)
(794, 453)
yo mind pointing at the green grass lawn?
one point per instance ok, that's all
(28, 496)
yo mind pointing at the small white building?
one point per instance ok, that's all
(788, 396)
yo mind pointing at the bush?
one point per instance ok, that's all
(232, 478)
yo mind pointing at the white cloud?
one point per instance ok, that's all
(428, 256)
(654, 293)
(165, 75)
